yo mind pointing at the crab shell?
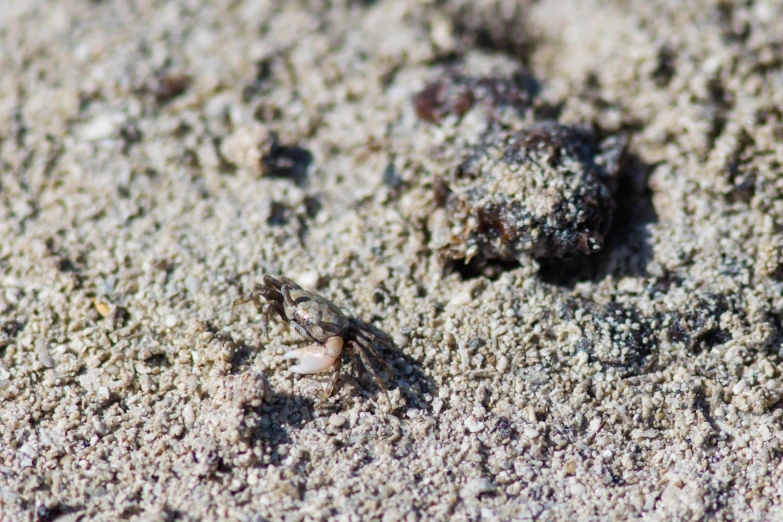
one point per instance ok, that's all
(314, 316)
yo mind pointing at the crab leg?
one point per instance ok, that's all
(330, 387)
(286, 291)
(316, 358)
(366, 362)
(290, 283)
(274, 298)
(252, 296)
(367, 344)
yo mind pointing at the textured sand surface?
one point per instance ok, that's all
(158, 158)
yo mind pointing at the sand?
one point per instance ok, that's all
(157, 159)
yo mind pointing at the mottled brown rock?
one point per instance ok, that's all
(457, 93)
(546, 191)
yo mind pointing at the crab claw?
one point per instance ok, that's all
(316, 358)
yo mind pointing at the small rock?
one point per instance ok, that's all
(473, 425)
(188, 415)
(457, 93)
(476, 487)
(192, 284)
(336, 420)
(401, 341)
(29, 450)
(104, 394)
(99, 427)
(578, 489)
(42, 351)
(101, 127)
(309, 279)
(740, 387)
(547, 191)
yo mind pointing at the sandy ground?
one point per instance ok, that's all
(158, 158)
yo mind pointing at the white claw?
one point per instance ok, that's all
(316, 358)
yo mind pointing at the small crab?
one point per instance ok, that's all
(319, 320)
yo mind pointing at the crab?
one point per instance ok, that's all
(319, 320)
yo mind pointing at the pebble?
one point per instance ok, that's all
(577, 489)
(29, 450)
(473, 425)
(740, 387)
(46, 440)
(476, 487)
(530, 433)
(188, 415)
(99, 427)
(192, 284)
(308, 279)
(101, 127)
(336, 420)
(401, 341)
(12, 295)
(42, 351)
(171, 321)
